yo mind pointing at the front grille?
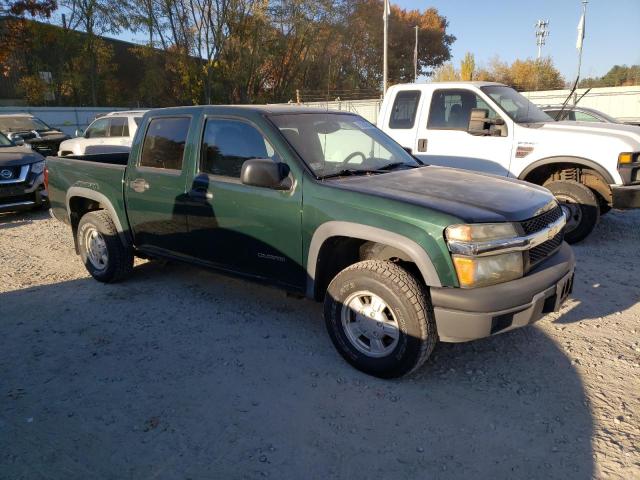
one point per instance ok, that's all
(9, 173)
(536, 224)
(542, 251)
(45, 148)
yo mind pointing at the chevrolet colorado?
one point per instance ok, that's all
(323, 204)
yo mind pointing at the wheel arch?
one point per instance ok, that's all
(586, 171)
(356, 235)
(81, 200)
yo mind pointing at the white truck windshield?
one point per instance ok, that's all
(518, 107)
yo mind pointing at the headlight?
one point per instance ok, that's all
(476, 269)
(484, 271)
(480, 232)
(37, 167)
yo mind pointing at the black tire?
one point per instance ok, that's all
(119, 262)
(584, 206)
(409, 303)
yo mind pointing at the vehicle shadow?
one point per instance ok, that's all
(599, 292)
(16, 219)
(181, 372)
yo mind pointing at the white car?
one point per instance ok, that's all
(111, 133)
(590, 167)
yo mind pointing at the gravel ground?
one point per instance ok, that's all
(183, 373)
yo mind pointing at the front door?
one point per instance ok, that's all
(156, 187)
(247, 229)
(443, 138)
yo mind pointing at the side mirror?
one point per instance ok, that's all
(263, 172)
(17, 139)
(480, 124)
(79, 132)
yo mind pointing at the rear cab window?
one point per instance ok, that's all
(164, 143)
(403, 112)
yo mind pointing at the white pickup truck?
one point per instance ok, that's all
(489, 127)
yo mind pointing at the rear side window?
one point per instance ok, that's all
(403, 112)
(164, 143)
(119, 127)
(227, 144)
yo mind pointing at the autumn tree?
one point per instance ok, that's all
(446, 73)
(468, 67)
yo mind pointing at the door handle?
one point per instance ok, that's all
(139, 185)
(422, 144)
(200, 194)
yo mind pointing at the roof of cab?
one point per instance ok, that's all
(252, 109)
(431, 85)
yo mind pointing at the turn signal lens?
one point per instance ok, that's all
(483, 271)
(625, 158)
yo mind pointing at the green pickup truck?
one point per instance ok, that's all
(326, 205)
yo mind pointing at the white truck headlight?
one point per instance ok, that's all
(37, 167)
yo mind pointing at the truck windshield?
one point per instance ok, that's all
(22, 124)
(518, 107)
(332, 144)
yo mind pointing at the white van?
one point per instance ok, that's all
(489, 127)
(111, 133)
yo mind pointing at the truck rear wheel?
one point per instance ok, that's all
(380, 319)
(581, 205)
(101, 250)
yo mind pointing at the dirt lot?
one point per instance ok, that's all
(183, 373)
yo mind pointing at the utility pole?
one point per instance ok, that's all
(542, 32)
(415, 58)
(580, 41)
(385, 67)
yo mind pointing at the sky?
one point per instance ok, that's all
(506, 28)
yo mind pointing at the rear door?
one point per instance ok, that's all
(155, 188)
(402, 119)
(243, 228)
(443, 138)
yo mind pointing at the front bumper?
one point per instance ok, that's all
(24, 195)
(625, 196)
(468, 314)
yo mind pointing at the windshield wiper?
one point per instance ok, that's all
(351, 172)
(394, 165)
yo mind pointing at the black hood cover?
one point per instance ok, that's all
(471, 196)
(13, 156)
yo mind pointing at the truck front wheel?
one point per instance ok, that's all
(580, 205)
(102, 252)
(380, 319)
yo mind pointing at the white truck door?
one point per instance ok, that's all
(443, 137)
(401, 120)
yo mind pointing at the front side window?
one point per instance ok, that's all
(403, 112)
(517, 106)
(227, 144)
(585, 117)
(98, 129)
(451, 109)
(4, 141)
(119, 127)
(164, 143)
(331, 143)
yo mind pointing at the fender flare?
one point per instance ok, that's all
(585, 162)
(84, 192)
(373, 234)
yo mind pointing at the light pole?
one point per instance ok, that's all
(415, 58)
(385, 17)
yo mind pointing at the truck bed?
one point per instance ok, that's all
(96, 176)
